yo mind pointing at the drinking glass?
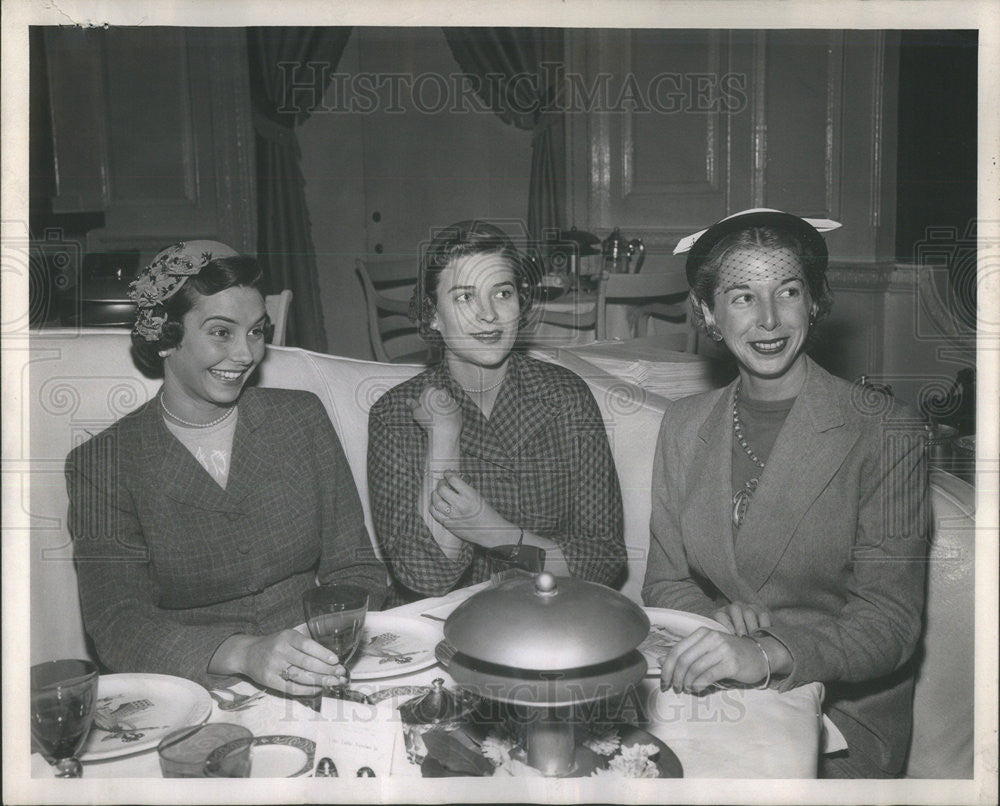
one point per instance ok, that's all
(63, 699)
(335, 615)
(211, 750)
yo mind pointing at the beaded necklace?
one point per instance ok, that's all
(741, 500)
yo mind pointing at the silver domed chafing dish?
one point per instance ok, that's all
(549, 643)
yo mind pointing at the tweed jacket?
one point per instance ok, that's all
(833, 544)
(542, 461)
(170, 564)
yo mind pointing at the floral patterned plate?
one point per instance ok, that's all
(135, 711)
(393, 645)
(666, 628)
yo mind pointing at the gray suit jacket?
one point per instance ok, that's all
(834, 544)
(170, 564)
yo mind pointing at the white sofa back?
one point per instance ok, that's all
(79, 382)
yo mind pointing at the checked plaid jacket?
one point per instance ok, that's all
(542, 461)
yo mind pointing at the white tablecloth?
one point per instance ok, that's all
(726, 734)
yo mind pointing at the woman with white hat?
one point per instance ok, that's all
(790, 505)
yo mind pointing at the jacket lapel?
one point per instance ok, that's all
(249, 462)
(810, 448)
(706, 517)
(521, 408)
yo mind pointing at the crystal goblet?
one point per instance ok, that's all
(63, 699)
(335, 615)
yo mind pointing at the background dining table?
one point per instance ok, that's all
(734, 733)
(654, 364)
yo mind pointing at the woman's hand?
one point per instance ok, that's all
(460, 509)
(742, 618)
(437, 412)
(287, 661)
(707, 656)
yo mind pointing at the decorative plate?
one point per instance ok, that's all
(135, 711)
(281, 756)
(666, 628)
(393, 645)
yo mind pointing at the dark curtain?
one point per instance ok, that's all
(285, 89)
(516, 74)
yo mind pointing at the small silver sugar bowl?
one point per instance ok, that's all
(438, 707)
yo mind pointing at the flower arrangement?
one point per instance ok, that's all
(631, 762)
(455, 753)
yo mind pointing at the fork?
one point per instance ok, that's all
(238, 701)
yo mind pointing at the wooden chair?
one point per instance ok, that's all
(388, 285)
(278, 306)
(659, 294)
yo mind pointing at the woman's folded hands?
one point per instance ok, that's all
(707, 657)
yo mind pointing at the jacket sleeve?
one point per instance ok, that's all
(396, 458)
(877, 629)
(668, 581)
(594, 543)
(347, 555)
(117, 595)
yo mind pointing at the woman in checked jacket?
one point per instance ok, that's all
(489, 448)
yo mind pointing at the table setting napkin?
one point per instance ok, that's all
(752, 733)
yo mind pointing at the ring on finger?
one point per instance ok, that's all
(286, 673)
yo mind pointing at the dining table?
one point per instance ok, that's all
(727, 733)
(655, 364)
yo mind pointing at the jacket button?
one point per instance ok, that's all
(243, 548)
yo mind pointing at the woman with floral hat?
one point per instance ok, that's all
(790, 505)
(200, 518)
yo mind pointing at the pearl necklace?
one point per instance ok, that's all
(484, 389)
(738, 431)
(741, 500)
(216, 421)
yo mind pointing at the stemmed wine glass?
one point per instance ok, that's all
(335, 615)
(63, 699)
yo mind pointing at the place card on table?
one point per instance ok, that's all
(354, 736)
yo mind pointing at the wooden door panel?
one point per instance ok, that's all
(151, 121)
(151, 126)
(799, 120)
(678, 109)
(678, 156)
(803, 100)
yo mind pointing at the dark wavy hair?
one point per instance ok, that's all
(474, 237)
(753, 238)
(216, 275)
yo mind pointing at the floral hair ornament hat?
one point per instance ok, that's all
(700, 244)
(163, 278)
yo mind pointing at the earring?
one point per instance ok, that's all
(714, 333)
